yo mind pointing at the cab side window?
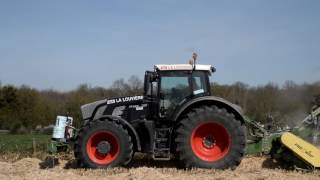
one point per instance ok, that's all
(199, 83)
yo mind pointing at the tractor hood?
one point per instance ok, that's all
(89, 110)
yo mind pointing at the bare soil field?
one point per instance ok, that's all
(250, 168)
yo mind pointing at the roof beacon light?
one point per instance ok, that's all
(193, 60)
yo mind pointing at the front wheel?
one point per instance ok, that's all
(210, 137)
(103, 144)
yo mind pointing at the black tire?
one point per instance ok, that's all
(120, 151)
(214, 125)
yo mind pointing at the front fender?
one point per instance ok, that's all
(132, 132)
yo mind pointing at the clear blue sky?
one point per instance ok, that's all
(62, 43)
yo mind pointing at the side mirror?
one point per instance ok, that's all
(149, 78)
(153, 77)
(161, 94)
(213, 69)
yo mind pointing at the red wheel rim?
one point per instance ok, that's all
(210, 141)
(93, 153)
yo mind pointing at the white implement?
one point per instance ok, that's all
(60, 130)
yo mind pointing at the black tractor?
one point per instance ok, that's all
(176, 117)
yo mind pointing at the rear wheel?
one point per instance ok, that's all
(210, 137)
(103, 144)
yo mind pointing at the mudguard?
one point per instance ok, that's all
(132, 132)
(210, 100)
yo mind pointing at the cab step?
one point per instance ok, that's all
(161, 146)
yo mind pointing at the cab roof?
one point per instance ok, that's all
(180, 67)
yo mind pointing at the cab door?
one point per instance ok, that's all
(174, 88)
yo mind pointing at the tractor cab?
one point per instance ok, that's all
(168, 87)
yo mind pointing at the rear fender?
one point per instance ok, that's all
(210, 100)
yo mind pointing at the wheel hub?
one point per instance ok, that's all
(209, 142)
(103, 147)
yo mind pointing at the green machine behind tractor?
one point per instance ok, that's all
(302, 153)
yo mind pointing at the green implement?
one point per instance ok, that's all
(294, 146)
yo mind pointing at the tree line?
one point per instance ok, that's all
(23, 108)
